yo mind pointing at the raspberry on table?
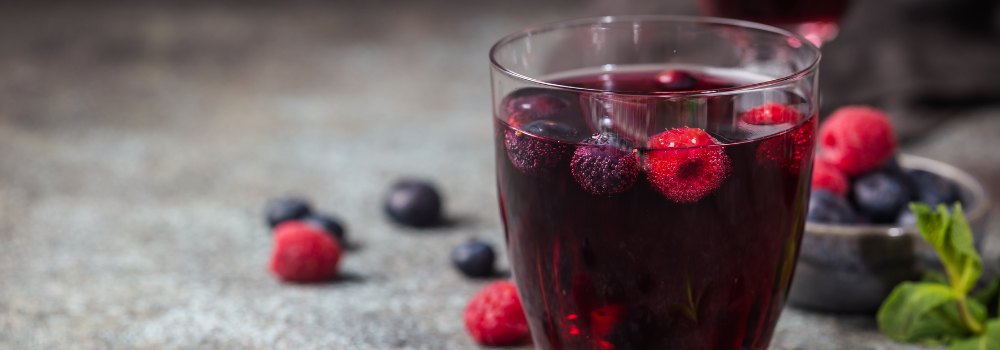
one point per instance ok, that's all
(495, 317)
(857, 139)
(686, 164)
(771, 113)
(303, 253)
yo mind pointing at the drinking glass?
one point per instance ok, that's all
(815, 20)
(653, 176)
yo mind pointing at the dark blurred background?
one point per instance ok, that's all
(139, 139)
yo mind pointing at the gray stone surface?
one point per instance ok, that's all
(138, 142)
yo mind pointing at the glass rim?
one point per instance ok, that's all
(813, 66)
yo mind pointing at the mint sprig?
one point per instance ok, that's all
(939, 310)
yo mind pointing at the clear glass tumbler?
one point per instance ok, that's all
(653, 174)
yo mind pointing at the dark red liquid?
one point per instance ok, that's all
(636, 269)
(777, 12)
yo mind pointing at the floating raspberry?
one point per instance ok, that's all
(602, 168)
(533, 155)
(856, 139)
(494, 316)
(771, 113)
(828, 177)
(686, 164)
(787, 151)
(303, 253)
(529, 104)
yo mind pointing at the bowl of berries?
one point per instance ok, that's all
(861, 238)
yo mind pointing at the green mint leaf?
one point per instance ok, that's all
(919, 312)
(952, 238)
(931, 276)
(990, 340)
(989, 297)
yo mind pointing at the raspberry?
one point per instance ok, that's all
(771, 113)
(303, 253)
(856, 139)
(602, 168)
(686, 164)
(828, 177)
(494, 316)
(787, 151)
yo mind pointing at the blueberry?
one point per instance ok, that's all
(933, 189)
(880, 196)
(328, 224)
(676, 80)
(550, 129)
(414, 203)
(278, 210)
(474, 258)
(604, 168)
(828, 208)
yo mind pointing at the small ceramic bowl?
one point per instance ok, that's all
(853, 268)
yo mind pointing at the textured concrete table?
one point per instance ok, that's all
(138, 144)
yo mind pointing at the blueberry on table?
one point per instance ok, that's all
(825, 207)
(933, 189)
(880, 196)
(414, 203)
(474, 258)
(278, 210)
(328, 224)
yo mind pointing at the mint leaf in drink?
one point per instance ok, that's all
(990, 340)
(952, 239)
(914, 313)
